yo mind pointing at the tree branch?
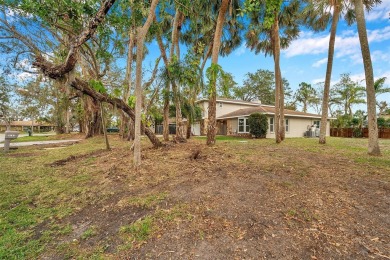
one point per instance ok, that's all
(57, 71)
(84, 88)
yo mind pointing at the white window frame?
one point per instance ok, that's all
(287, 125)
(245, 125)
(271, 124)
(317, 125)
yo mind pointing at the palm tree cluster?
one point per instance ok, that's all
(78, 45)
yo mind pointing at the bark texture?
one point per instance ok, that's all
(328, 76)
(373, 144)
(279, 98)
(141, 34)
(212, 110)
(180, 136)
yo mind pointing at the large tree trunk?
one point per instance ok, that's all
(373, 144)
(328, 77)
(141, 34)
(84, 88)
(212, 110)
(92, 117)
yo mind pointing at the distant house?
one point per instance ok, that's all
(232, 119)
(25, 125)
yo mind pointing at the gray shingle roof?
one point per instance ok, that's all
(265, 109)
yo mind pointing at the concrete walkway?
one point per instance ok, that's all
(41, 142)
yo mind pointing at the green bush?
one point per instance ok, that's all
(381, 122)
(258, 125)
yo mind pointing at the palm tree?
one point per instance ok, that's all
(373, 144)
(318, 17)
(380, 89)
(284, 29)
(211, 131)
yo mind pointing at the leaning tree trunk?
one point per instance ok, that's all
(212, 110)
(56, 71)
(328, 77)
(373, 144)
(141, 34)
(84, 88)
(167, 87)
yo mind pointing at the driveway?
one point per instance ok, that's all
(41, 142)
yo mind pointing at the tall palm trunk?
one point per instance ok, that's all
(325, 100)
(373, 144)
(180, 136)
(279, 93)
(212, 110)
(141, 34)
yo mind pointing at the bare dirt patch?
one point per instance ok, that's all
(233, 201)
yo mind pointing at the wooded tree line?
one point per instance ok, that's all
(76, 47)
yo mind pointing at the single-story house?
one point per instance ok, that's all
(232, 119)
(23, 126)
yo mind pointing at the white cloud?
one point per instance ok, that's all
(241, 50)
(380, 12)
(378, 55)
(307, 44)
(347, 45)
(320, 62)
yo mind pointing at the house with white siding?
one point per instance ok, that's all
(232, 119)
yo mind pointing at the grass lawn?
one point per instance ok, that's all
(304, 199)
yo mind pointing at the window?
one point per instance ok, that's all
(271, 125)
(317, 123)
(243, 125)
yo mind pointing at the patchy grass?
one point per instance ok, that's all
(82, 202)
(146, 202)
(33, 194)
(34, 138)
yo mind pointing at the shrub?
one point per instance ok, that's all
(258, 125)
(381, 122)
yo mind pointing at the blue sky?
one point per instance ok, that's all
(306, 58)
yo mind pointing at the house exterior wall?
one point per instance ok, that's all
(223, 108)
(297, 127)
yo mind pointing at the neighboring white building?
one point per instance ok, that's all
(232, 116)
